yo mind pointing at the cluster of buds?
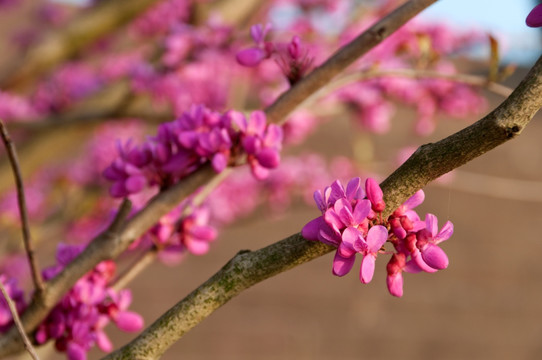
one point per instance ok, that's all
(291, 57)
(195, 138)
(77, 322)
(177, 232)
(352, 221)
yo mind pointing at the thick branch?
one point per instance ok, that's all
(358, 47)
(248, 268)
(21, 202)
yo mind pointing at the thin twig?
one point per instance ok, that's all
(136, 268)
(474, 80)
(18, 324)
(21, 201)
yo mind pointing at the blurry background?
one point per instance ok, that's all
(486, 305)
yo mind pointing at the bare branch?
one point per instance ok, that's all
(27, 344)
(248, 268)
(474, 80)
(21, 201)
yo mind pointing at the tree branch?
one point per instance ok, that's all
(27, 344)
(21, 202)
(248, 268)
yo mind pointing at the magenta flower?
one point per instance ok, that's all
(376, 237)
(253, 56)
(293, 59)
(195, 232)
(394, 280)
(424, 247)
(534, 19)
(262, 143)
(375, 195)
(77, 322)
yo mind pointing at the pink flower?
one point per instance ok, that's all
(376, 238)
(534, 19)
(375, 195)
(424, 245)
(253, 56)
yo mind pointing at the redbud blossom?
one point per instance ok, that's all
(534, 19)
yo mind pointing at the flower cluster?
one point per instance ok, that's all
(198, 136)
(352, 221)
(292, 57)
(176, 233)
(77, 323)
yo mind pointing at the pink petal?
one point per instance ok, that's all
(259, 172)
(328, 235)
(352, 188)
(172, 255)
(206, 233)
(445, 233)
(333, 219)
(435, 257)
(196, 246)
(312, 228)
(367, 268)
(342, 265)
(252, 144)
(219, 162)
(376, 237)
(256, 123)
(118, 190)
(431, 224)
(268, 158)
(374, 194)
(337, 192)
(411, 267)
(417, 257)
(250, 57)
(414, 200)
(129, 321)
(135, 184)
(273, 136)
(319, 200)
(395, 284)
(349, 237)
(361, 211)
(103, 341)
(534, 19)
(344, 210)
(76, 352)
